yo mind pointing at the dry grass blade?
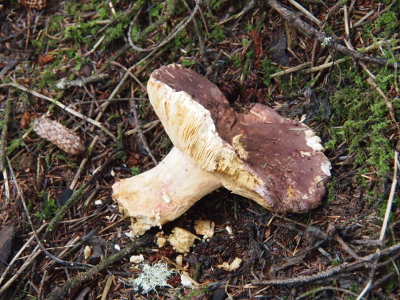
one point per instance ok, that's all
(391, 197)
(305, 12)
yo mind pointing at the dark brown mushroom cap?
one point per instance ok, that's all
(286, 155)
(283, 156)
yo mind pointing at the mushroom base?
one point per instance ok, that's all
(163, 193)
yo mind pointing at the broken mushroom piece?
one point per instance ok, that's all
(259, 154)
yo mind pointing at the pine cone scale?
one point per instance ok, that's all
(59, 135)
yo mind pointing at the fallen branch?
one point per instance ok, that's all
(329, 272)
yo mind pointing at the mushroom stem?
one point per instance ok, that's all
(163, 193)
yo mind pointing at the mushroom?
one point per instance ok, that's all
(259, 154)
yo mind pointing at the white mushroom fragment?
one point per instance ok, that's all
(204, 227)
(182, 240)
(259, 155)
(234, 265)
(136, 259)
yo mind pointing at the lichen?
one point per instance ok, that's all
(151, 277)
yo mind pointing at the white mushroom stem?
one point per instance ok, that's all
(163, 193)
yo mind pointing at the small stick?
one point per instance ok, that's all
(140, 132)
(384, 225)
(365, 290)
(391, 197)
(346, 21)
(347, 248)
(64, 84)
(385, 99)
(323, 66)
(313, 292)
(306, 12)
(359, 22)
(95, 46)
(371, 81)
(201, 44)
(83, 163)
(144, 90)
(296, 68)
(148, 127)
(249, 6)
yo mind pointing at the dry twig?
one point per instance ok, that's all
(140, 132)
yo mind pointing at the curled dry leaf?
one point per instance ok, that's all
(59, 135)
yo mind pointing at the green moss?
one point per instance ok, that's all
(335, 262)
(214, 4)
(360, 120)
(268, 67)
(80, 61)
(156, 10)
(135, 170)
(13, 145)
(55, 24)
(388, 23)
(47, 78)
(217, 33)
(187, 63)
(65, 158)
(77, 34)
(331, 188)
(166, 144)
(49, 208)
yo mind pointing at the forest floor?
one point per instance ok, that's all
(330, 64)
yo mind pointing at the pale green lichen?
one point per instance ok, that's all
(151, 277)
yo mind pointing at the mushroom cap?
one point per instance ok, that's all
(259, 154)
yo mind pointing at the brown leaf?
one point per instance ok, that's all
(46, 59)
